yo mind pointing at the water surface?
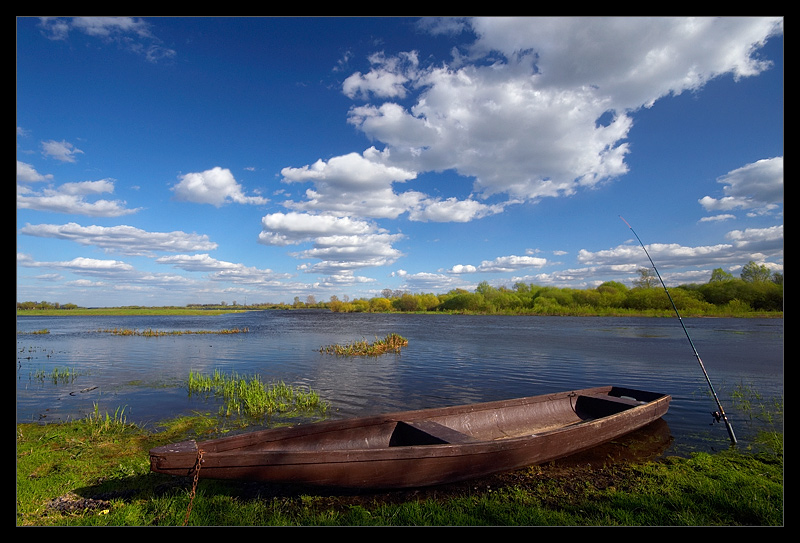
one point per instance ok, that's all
(450, 359)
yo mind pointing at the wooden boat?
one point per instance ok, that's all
(420, 448)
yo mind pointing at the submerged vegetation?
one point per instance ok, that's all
(391, 343)
(251, 398)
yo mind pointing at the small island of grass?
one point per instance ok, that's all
(391, 343)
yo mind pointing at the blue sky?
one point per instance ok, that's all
(171, 161)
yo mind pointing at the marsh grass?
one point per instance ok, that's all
(58, 375)
(764, 413)
(250, 397)
(107, 424)
(391, 343)
(157, 333)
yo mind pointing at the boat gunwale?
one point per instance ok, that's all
(236, 444)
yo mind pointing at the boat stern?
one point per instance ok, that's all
(175, 458)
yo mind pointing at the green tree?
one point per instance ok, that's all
(754, 273)
(380, 305)
(720, 275)
(647, 279)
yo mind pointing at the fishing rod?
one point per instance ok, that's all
(721, 413)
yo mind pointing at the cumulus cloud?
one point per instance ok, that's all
(528, 114)
(519, 115)
(28, 174)
(362, 185)
(60, 150)
(745, 245)
(216, 186)
(221, 270)
(294, 228)
(73, 198)
(757, 187)
(502, 264)
(353, 184)
(342, 244)
(89, 266)
(116, 274)
(122, 239)
(387, 78)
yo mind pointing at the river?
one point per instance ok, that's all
(450, 359)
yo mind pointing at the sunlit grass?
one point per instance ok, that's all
(391, 343)
(250, 397)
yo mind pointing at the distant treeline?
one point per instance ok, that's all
(755, 291)
(28, 306)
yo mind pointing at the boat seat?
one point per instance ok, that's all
(627, 400)
(426, 432)
(591, 406)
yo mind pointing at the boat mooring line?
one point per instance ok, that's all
(721, 413)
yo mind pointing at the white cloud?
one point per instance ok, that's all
(757, 186)
(294, 228)
(452, 210)
(122, 239)
(524, 122)
(60, 150)
(387, 79)
(353, 184)
(746, 245)
(511, 263)
(224, 271)
(764, 240)
(130, 33)
(71, 198)
(342, 244)
(501, 264)
(89, 266)
(216, 186)
(432, 282)
(28, 174)
(462, 268)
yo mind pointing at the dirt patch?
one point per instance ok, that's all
(72, 503)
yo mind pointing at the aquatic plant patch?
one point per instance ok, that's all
(156, 333)
(391, 343)
(250, 397)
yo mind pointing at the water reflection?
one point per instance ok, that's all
(449, 360)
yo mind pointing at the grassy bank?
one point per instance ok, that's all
(96, 472)
(117, 311)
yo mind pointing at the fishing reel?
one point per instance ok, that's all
(717, 416)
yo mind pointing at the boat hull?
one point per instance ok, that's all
(421, 448)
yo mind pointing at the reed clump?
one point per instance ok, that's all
(156, 333)
(391, 343)
(58, 375)
(250, 397)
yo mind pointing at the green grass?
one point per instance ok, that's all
(95, 472)
(105, 311)
(250, 397)
(57, 375)
(391, 343)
